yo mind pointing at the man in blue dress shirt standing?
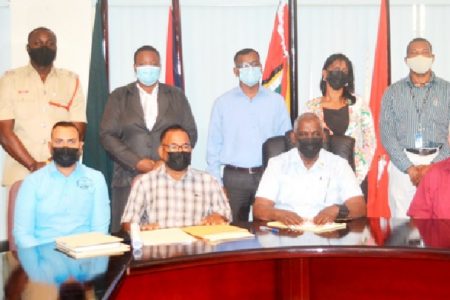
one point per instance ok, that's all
(242, 119)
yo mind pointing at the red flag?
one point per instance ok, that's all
(276, 69)
(377, 202)
(174, 57)
(379, 232)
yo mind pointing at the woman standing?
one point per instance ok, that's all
(343, 113)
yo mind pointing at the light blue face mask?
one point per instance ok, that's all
(250, 75)
(148, 74)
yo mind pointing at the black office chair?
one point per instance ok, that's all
(340, 145)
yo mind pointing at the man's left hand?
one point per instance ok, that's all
(213, 219)
(326, 215)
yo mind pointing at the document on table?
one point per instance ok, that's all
(166, 236)
(218, 233)
(91, 244)
(309, 226)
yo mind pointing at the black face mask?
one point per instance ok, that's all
(64, 156)
(337, 79)
(179, 161)
(310, 147)
(42, 56)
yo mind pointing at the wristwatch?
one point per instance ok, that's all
(343, 211)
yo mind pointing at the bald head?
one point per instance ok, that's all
(39, 30)
(307, 117)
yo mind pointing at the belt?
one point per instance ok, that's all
(253, 170)
(422, 151)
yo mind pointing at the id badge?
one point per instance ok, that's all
(418, 141)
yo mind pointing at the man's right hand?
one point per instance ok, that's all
(145, 165)
(414, 174)
(151, 226)
(288, 217)
(36, 166)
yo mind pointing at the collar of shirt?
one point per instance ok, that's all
(260, 93)
(411, 84)
(296, 162)
(143, 93)
(77, 172)
(163, 171)
(31, 70)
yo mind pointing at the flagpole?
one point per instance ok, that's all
(177, 30)
(388, 22)
(293, 63)
(105, 35)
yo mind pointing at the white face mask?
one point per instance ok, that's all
(419, 64)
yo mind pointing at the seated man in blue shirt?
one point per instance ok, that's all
(308, 182)
(62, 198)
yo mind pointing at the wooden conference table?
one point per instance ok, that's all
(371, 259)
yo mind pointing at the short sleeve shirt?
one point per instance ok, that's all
(35, 106)
(292, 186)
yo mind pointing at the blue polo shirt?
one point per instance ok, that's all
(50, 205)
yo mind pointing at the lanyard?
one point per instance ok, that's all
(420, 109)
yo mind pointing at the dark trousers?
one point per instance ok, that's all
(241, 189)
(118, 202)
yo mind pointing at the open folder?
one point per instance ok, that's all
(165, 236)
(309, 226)
(91, 244)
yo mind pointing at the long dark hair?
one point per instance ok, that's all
(349, 88)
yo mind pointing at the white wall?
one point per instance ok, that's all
(71, 20)
(214, 30)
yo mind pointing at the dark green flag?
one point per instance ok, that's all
(94, 155)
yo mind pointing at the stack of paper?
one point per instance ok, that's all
(165, 236)
(218, 233)
(91, 244)
(309, 226)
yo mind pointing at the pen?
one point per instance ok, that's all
(269, 229)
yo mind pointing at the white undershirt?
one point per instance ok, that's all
(149, 105)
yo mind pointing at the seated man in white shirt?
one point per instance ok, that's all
(308, 182)
(174, 194)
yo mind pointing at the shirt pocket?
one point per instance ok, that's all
(25, 105)
(439, 113)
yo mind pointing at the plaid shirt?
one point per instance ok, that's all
(175, 203)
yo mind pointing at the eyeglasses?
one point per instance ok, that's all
(249, 64)
(176, 147)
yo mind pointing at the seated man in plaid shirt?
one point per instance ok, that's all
(174, 194)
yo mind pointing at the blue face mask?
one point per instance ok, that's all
(250, 75)
(148, 75)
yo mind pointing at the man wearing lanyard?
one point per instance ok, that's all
(242, 119)
(415, 114)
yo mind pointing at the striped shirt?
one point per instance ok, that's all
(407, 110)
(175, 203)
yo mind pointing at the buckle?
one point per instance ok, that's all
(422, 151)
